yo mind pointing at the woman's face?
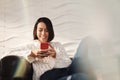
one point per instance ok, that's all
(42, 32)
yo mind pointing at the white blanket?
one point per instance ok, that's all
(72, 20)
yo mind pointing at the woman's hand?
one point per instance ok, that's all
(39, 53)
(51, 51)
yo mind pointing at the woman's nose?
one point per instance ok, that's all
(43, 32)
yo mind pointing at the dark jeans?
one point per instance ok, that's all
(75, 76)
(54, 74)
(15, 68)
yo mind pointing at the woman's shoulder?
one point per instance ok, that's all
(55, 43)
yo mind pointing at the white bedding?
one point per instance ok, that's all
(73, 20)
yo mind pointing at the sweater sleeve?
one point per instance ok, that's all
(62, 59)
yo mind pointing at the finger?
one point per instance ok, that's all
(42, 55)
(39, 56)
(51, 46)
(51, 49)
(40, 52)
(51, 53)
(33, 53)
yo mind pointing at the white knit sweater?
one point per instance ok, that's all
(42, 65)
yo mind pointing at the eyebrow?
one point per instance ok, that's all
(43, 28)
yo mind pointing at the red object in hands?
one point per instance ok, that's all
(44, 45)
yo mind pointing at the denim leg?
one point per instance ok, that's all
(78, 62)
(79, 76)
(54, 74)
(81, 61)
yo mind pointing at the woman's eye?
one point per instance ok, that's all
(40, 30)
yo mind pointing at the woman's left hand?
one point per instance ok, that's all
(51, 51)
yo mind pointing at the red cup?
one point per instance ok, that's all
(44, 45)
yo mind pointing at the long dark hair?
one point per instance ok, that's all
(49, 27)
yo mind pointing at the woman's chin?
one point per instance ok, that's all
(42, 40)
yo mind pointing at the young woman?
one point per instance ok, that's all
(53, 56)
